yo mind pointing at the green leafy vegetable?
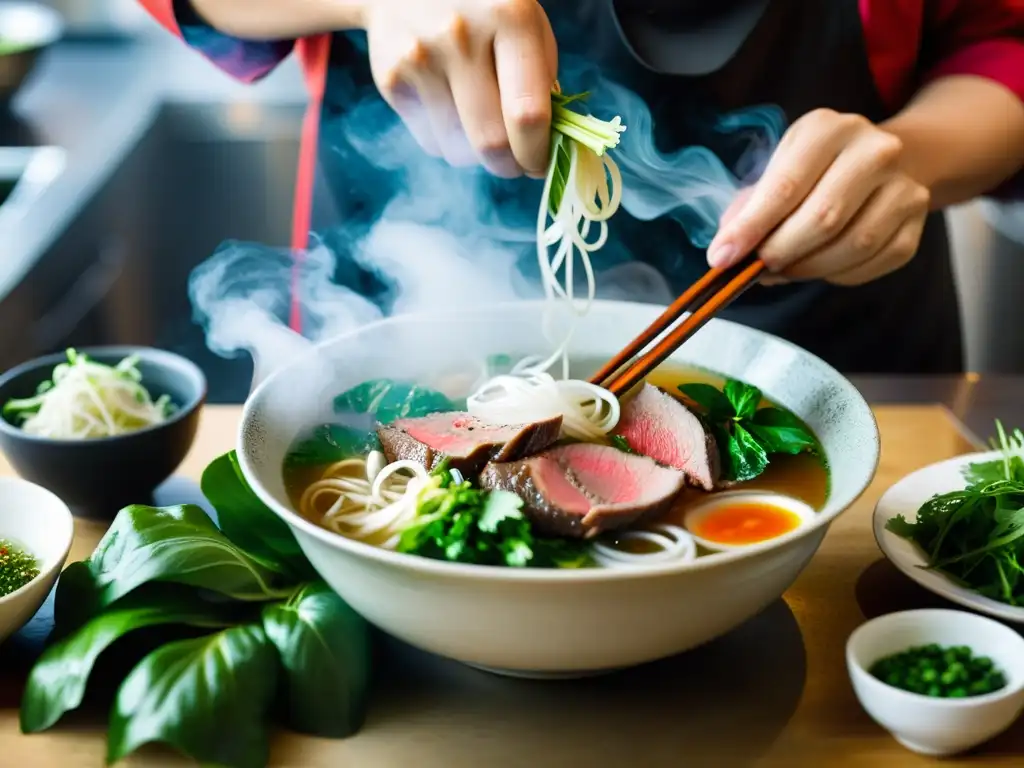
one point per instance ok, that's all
(622, 443)
(57, 682)
(388, 400)
(325, 651)
(746, 434)
(208, 696)
(283, 635)
(329, 443)
(568, 126)
(976, 535)
(460, 523)
(249, 523)
(180, 545)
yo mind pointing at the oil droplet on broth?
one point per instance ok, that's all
(745, 522)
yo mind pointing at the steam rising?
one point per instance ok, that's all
(440, 237)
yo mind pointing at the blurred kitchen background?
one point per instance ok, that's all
(125, 160)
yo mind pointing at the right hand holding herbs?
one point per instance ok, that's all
(471, 79)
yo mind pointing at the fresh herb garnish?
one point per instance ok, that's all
(567, 126)
(975, 536)
(948, 673)
(746, 434)
(459, 523)
(17, 567)
(622, 443)
(387, 400)
(261, 629)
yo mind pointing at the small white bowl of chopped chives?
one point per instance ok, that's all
(940, 681)
(36, 531)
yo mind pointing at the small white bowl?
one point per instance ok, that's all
(701, 510)
(35, 519)
(930, 725)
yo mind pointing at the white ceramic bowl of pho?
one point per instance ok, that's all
(563, 622)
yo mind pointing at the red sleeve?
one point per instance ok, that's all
(246, 60)
(162, 11)
(977, 37)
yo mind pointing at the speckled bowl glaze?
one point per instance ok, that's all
(547, 623)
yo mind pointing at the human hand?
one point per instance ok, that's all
(471, 79)
(832, 205)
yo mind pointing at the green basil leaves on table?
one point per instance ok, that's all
(325, 652)
(266, 630)
(207, 696)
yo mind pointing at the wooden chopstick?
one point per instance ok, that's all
(702, 300)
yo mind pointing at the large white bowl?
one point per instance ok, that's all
(547, 623)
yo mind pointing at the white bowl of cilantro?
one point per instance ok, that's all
(957, 529)
(36, 530)
(940, 681)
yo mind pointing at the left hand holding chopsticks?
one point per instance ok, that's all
(832, 204)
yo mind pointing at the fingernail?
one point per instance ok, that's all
(721, 255)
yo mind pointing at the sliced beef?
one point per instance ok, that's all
(657, 425)
(583, 489)
(467, 441)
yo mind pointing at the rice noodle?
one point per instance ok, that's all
(529, 392)
(366, 498)
(85, 399)
(677, 546)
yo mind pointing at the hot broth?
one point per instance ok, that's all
(803, 476)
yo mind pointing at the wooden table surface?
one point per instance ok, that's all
(773, 694)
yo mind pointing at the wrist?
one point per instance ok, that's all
(347, 14)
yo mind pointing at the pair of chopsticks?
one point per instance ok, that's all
(702, 299)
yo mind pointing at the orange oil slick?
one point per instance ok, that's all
(747, 522)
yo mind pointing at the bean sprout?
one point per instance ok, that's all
(676, 546)
(85, 399)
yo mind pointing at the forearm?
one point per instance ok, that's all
(279, 19)
(962, 137)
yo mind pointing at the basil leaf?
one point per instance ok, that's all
(747, 459)
(249, 523)
(57, 682)
(208, 697)
(561, 159)
(716, 405)
(744, 398)
(388, 400)
(620, 442)
(174, 544)
(329, 443)
(325, 650)
(75, 599)
(779, 431)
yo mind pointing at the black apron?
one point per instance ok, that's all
(804, 54)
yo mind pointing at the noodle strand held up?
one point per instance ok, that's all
(582, 190)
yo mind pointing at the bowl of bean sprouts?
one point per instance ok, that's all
(100, 427)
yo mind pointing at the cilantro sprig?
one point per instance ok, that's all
(975, 536)
(459, 523)
(746, 434)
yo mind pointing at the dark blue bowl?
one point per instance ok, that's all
(99, 476)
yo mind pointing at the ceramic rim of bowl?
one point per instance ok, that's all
(68, 520)
(504, 573)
